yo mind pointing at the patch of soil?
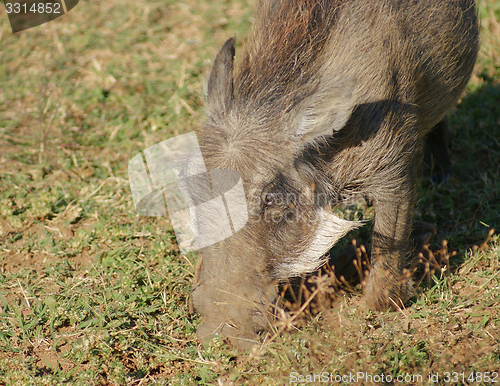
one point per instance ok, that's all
(13, 262)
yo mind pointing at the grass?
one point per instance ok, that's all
(93, 294)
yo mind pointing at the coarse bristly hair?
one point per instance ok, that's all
(275, 72)
(284, 53)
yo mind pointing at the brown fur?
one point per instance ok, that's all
(328, 99)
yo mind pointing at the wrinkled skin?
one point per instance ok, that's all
(329, 100)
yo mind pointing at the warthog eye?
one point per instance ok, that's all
(269, 199)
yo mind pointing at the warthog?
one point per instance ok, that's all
(328, 99)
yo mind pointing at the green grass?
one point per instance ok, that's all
(93, 294)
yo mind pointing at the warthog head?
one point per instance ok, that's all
(291, 225)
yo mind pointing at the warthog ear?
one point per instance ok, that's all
(220, 82)
(326, 111)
